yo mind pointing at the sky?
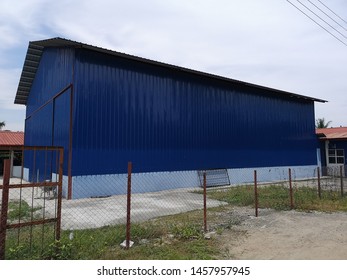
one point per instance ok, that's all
(268, 42)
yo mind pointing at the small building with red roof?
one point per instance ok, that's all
(10, 143)
(333, 147)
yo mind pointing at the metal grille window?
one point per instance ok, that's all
(336, 156)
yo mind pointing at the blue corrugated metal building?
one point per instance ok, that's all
(107, 108)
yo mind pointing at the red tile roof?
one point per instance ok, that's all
(332, 133)
(11, 138)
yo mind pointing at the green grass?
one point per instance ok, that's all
(171, 237)
(29, 242)
(21, 210)
(331, 201)
(238, 196)
(277, 197)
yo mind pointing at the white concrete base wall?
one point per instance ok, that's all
(17, 171)
(239, 176)
(114, 184)
(25, 174)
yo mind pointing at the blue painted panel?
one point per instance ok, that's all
(38, 128)
(48, 115)
(53, 75)
(323, 153)
(49, 126)
(165, 120)
(61, 130)
(38, 132)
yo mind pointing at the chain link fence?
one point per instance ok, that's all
(154, 209)
(30, 211)
(303, 188)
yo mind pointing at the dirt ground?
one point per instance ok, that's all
(286, 235)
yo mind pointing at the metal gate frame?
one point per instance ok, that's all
(4, 226)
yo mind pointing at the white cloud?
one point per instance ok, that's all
(12, 114)
(8, 86)
(266, 42)
(19, 21)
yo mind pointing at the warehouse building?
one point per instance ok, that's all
(108, 108)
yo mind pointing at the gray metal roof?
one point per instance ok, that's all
(36, 48)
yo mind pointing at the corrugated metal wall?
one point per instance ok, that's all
(165, 120)
(161, 119)
(55, 72)
(48, 115)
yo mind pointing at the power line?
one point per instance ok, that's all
(317, 23)
(322, 19)
(332, 11)
(327, 15)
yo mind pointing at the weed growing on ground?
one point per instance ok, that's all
(277, 197)
(20, 209)
(178, 236)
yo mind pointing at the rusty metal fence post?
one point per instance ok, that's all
(128, 226)
(205, 204)
(341, 179)
(256, 201)
(291, 189)
(4, 207)
(60, 193)
(319, 186)
(32, 219)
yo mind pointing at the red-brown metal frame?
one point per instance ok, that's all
(291, 189)
(69, 167)
(5, 194)
(4, 207)
(319, 185)
(256, 201)
(60, 193)
(341, 179)
(205, 204)
(128, 226)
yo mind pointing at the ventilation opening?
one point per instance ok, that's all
(214, 177)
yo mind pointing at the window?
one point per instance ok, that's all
(336, 156)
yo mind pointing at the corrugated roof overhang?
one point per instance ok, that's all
(35, 50)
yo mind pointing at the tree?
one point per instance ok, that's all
(320, 123)
(2, 124)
